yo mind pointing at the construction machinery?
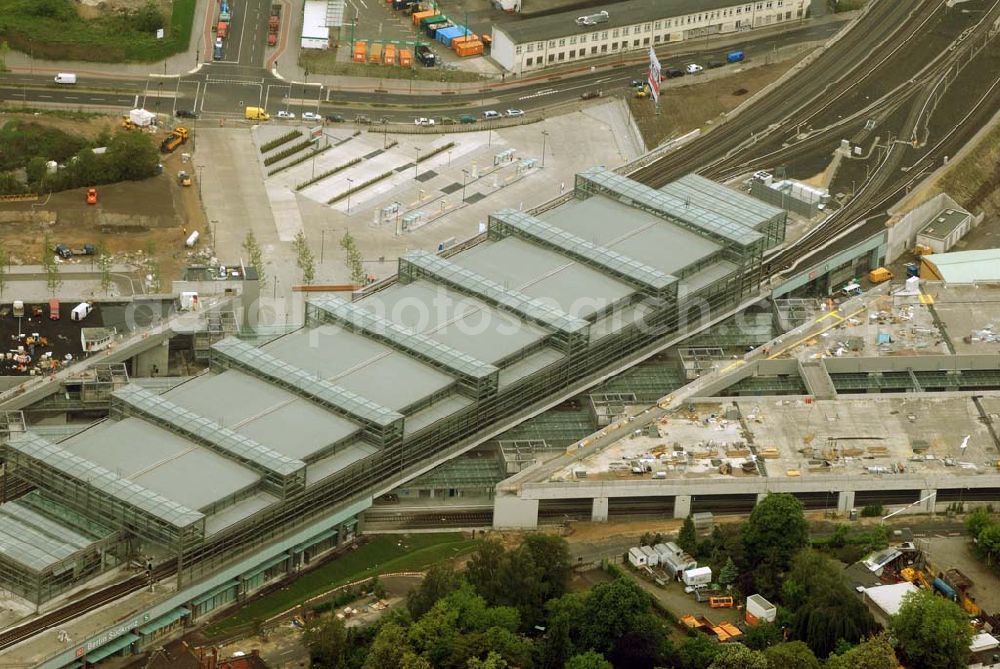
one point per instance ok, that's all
(183, 178)
(177, 137)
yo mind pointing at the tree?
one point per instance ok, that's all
(823, 604)
(493, 661)
(588, 660)
(737, 656)
(104, 266)
(728, 574)
(687, 538)
(483, 570)
(4, 50)
(774, 533)
(49, 266)
(644, 646)
(388, 648)
(326, 639)
(698, 652)
(562, 638)
(612, 610)
(931, 632)
(762, 635)
(988, 543)
(304, 258)
(439, 581)
(352, 258)
(791, 655)
(253, 250)
(876, 653)
(979, 520)
(535, 572)
(131, 156)
(148, 19)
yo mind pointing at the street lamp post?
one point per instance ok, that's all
(416, 163)
(322, 244)
(465, 176)
(545, 136)
(350, 183)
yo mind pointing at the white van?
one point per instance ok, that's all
(65, 78)
(81, 311)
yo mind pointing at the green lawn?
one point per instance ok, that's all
(382, 554)
(52, 30)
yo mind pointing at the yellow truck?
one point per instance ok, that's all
(256, 114)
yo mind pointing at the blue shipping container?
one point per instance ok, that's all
(448, 34)
(734, 56)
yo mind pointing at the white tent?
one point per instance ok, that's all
(141, 117)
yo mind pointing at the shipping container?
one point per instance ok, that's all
(420, 16)
(463, 39)
(389, 54)
(432, 28)
(405, 58)
(375, 53)
(466, 49)
(759, 610)
(446, 35)
(360, 52)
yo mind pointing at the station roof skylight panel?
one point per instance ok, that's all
(494, 293)
(164, 461)
(364, 321)
(224, 439)
(711, 195)
(266, 413)
(671, 206)
(104, 480)
(462, 322)
(352, 404)
(580, 249)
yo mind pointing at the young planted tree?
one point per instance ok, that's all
(253, 250)
(352, 258)
(104, 267)
(687, 538)
(304, 258)
(49, 266)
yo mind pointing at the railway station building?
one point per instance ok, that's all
(241, 474)
(631, 26)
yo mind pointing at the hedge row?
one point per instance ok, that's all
(290, 151)
(275, 143)
(320, 177)
(361, 186)
(440, 149)
(297, 161)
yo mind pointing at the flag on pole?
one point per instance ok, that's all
(654, 76)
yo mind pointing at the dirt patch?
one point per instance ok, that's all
(128, 217)
(693, 105)
(88, 127)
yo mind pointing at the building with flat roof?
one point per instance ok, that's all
(634, 25)
(315, 26)
(945, 229)
(289, 436)
(981, 266)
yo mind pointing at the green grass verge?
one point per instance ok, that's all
(973, 178)
(383, 554)
(52, 30)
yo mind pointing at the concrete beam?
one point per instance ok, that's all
(682, 506)
(599, 511)
(512, 512)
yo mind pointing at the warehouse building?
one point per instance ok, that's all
(980, 266)
(240, 475)
(634, 25)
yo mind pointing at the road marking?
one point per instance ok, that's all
(45, 96)
(95, 99)
(69, 97)
(538, 94)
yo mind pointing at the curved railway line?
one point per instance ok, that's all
(800, 100)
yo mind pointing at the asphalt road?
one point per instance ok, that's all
(223, 88)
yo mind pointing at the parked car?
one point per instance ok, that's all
(637, 83)
(511, 113)
(490, 114)
(467, 118)
(311, 116)
(184, 113)
(447, 120)
(286, 114)
(712, 64)
(694, 68)
(335, 118)
(590, 95)
(671, 73)
(423, 121)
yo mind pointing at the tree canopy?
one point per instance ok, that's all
(931, 632)
(875, 653)
(791, 655)
(774, 533)
(738, 656)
